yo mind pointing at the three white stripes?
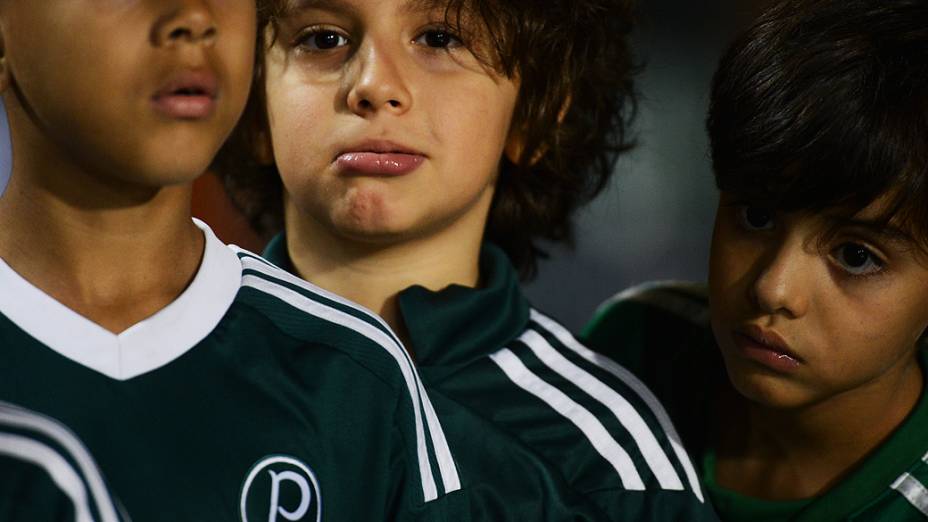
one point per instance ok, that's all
(648, 445)
(420, 399)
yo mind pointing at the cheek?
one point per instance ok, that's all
(473, 123)
(297, 123)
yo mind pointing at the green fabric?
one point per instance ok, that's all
(520, 460)
(735, 506)
(178, 443)
(661, 332)
(30, 454)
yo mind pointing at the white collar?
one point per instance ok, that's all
(144, 346)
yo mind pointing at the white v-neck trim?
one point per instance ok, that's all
(145, 346)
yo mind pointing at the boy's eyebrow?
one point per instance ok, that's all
(327, 5)
(410, 6)
(874, 226)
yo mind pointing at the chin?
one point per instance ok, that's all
(767, 390)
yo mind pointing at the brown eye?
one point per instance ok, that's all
(323, 40)
(857, 259)
(755, 218)
(439, 39)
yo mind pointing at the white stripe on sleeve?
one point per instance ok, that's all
(581, 417)
(636, 385)
(913, 491)
(18, 417)
(622, 410)
(61, 473)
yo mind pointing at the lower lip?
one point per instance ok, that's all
(379, 164)
(185, 107)
(764, 355)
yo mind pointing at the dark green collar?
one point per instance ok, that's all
(458, 324)
(276, 252)
(455, 325)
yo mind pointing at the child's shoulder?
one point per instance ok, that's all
(651, 322)
(597, 423)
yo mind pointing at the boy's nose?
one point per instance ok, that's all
(185, 21)
(380, 85)
(781, 286)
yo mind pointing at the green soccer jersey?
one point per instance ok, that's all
(542, 428)
(252, 396)
(661, 332)
(47, 474)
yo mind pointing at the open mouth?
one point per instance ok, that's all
(187, 95)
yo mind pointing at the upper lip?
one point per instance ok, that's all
(768, 338)
(194, 82)
(380, 147)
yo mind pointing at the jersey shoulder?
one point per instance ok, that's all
(599, 423)
(47, 474)
(645, 326)
(312, 315)
(315, 316)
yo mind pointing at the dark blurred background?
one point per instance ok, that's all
(655, 220)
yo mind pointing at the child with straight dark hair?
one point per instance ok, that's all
(415, 153)
(800, 382)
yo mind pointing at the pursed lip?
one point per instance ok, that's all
(379, 147)
(187, 94)
(767, 339)
(378, 158)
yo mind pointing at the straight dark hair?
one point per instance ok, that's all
(824, 104)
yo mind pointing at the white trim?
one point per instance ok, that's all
(332, 315)
(913, 491)
(145, 346)
(623, 411)
(449, 475)
(19, 417)
(657, 293)
(597, 434)
(568, 340)
(61, 473)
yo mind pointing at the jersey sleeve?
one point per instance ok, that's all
(47, 475)
(618, 446)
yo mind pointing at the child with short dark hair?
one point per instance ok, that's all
(189, 369)
(818, 283)
(424, 148)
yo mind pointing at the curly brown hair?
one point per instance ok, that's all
(576, 101)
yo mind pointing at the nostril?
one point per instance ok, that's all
(394, 103)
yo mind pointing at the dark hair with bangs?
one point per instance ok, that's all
(576, 100)
(824, 103)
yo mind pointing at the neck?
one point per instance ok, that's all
(112, 252)
(372, 273)
(784, 454)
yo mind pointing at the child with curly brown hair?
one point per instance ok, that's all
(414, 153)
